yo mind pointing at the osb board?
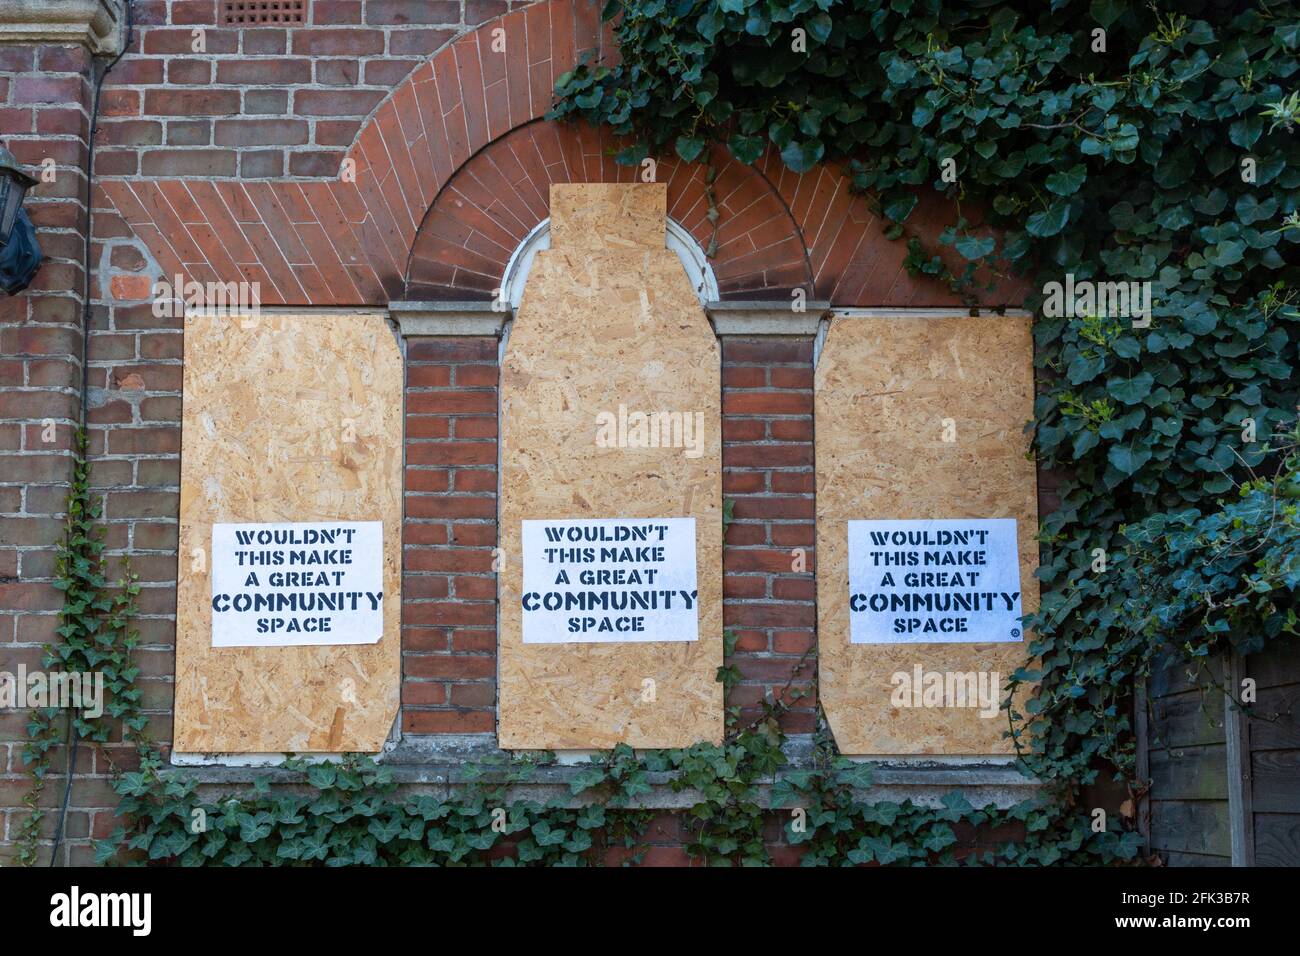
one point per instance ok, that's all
(608, 317)
(883, 389)
(287, 418)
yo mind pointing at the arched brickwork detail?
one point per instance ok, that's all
(346, 241)
(494, 200)
(465, 112)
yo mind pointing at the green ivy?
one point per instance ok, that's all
(1103, 140)
(96, 637)
(351, 813)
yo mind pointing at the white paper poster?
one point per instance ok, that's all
(934, 582)
(303, 582)
(596, 580)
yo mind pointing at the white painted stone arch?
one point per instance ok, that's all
(676, 238)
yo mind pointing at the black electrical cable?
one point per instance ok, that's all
(73, 737)
(90, 213)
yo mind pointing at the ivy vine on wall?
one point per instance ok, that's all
(95, 638)
(1093, 142)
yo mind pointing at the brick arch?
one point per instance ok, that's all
(347, 241)
(495, 199)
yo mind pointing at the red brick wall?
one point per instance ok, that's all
(767, 471)
(448, 588)
(44, 106)
(44, 114)
(264, 102)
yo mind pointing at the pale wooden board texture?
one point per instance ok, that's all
(608, 317)
(287, 418)
(883, 389)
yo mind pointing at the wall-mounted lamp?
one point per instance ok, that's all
(14, 183)
(20, 253)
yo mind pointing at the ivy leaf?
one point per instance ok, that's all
(587, 778)
(1084, 368)
(710, 23)
(900, 71)
(239, 855)
(254, 827)
(1228, 253)
(746, 149)
(1106, 12)
(1246, 131)
(1048, 222)
(1175, 169)
(819, 27)
(385, 831)
(689, 148)
(899, 206)
(1130, 391)
(956, 805)
(633, 155)
(1199, 320)
(322, 775)
(590, 100)
(803, 156)
(1084, 441)
(886, 851)
(975, 247)
(940, 837)
(545, 835)
(1126, 459)
(1067, 183)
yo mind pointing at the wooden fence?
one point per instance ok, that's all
(1224, 784)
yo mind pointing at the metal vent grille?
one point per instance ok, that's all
(248, 13)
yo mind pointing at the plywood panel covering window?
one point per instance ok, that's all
(287, 418)
(609, 323)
